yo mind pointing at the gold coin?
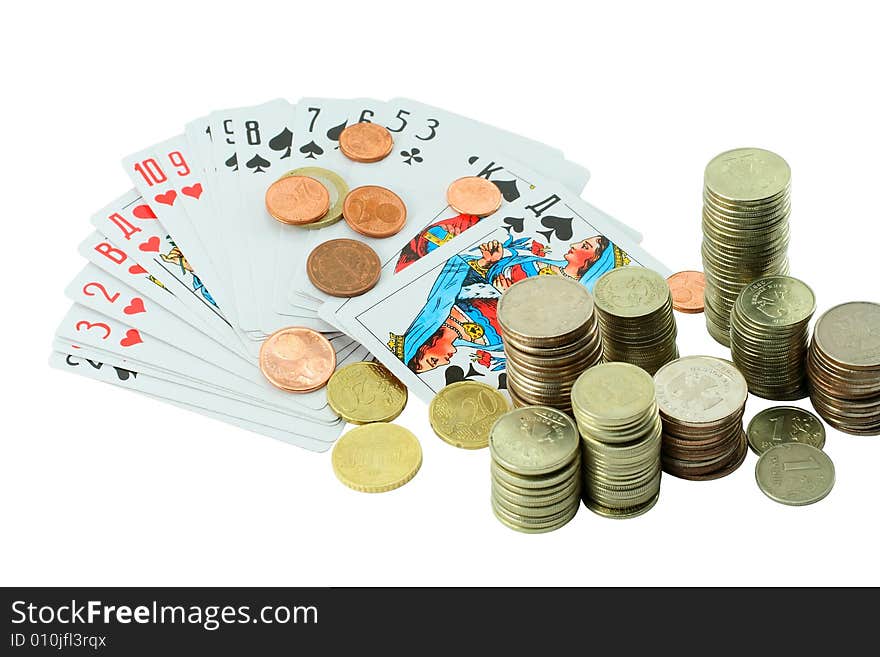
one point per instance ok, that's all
(463, 413)
(378, 457)
(366, 392)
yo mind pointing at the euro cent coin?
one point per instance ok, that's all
(474, 195)
(343, 267)
(366, 392)
(376, 458)
(687, 291)
(365, 142)
(374, 211)
(462, 413)
(297, 359)
(297, 200)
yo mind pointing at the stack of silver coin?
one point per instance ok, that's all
(550, 335)
(535, 468)
(746, 205)
(634, 306)
(769, 333)
(620, 428)
(702, 401)
(844, 367)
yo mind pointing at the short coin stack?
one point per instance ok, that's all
(746, 205)
(634, 306)
(535, 468)
(702, 400)
(844, 367)
(550, 335)
(620, 431)
(769, 336)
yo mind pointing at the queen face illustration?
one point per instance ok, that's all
(581, 255)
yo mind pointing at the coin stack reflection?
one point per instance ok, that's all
(550, 335)
(746, 205)
(702, 400)
(634, 307)
(620, 429)
(535, 469)
(844, 367)
(769, 335)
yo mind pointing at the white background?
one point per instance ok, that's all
(102, 487)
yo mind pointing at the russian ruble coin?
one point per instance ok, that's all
(784, 424)
(795, 474)
(533, 440)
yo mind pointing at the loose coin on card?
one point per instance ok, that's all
(374, 211)
(297, 200)
(343, 267)
(366, 392)
(365, 142)
(297, 359)
(474, 195)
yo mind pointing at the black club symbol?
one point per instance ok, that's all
(411, 156)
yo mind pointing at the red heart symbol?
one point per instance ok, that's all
(132, 337)
(194, 191)
(136, 269)
(136, 306)
(144, 212)
(151, 244)
(167, 198)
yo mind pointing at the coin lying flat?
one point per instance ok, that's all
(343, 267)
(297, 359)
(336, 187)
(365, 142)
(795, 474)
(687, 291)
(374, 211)
(366, 392)
(784, 424)
(474, 195)
(297, 200)
(462, 413)
(377, 457)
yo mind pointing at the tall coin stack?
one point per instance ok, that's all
(535, 469)
(769, 334)
(620, 431)
(634, 305)
(746, 205)
(844, 367)
(550, 335)
(702, 400)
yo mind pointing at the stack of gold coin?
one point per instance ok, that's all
(550, 334)
(769, 335)
(746, 205)
(620, 428)
(844, 367)
(634, 306)
(702, 400)
(535, 469)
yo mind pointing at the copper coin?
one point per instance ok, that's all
(297, 200)
(374, 211)
(473, 195)
(297, 359)
(343, 267)
(365, 142)
(687, 291)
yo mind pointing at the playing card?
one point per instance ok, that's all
(285, 428)
(435, 322)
